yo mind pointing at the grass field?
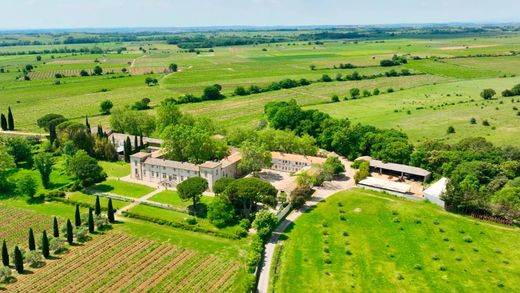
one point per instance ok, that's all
(115, 169)
(79, 197)
(247, 65)
(434, 108)
(389, 244)
(122, 188)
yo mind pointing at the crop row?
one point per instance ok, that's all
(71, 262)
(15, 223)
(123, 263)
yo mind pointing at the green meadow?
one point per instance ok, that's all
(452, 74)
(360, 241)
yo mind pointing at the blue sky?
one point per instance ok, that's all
(15, 14)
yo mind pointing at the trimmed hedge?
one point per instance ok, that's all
(179, 225)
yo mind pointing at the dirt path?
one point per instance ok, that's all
(138, 201)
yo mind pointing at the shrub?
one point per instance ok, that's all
(485, 122)
(349, 252)
(498, 251)
(399, 276)
(473, 121)
(443, 268)
(345, 233)
(468, 239)
(417, 267)
(34, 259)
(458, 258)
(324, 224)
(81, 233)
(436, 257)
(505, 261)
(395, 213)
(57, 245)
(475, 249)
(417, 220)
(327, 260)
(6, 275)
(441, 230)
(396, 220)
(446, 239)
(500, 284)
(325, 233)
(326, 250)
(436, 221)
(190, 220)
(342, 218)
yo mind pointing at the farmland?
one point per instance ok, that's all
(117, 261)
(16, 222)
(368, 241)
(459, 71)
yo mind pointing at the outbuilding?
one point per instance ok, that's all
(399, 170)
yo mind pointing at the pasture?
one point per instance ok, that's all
(365, 241)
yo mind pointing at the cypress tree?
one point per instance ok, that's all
(10, 119)
(127, 149)
(97, 207)
(77, 217)
(90, 221)
(136, 144)
(111, 218)
(89, 131)
(18, 260)
(52, 133)
(45, 245)
(55, 228)
(3, 122)
(32, 243)
(70, 237)
(100, 131)
(5, 255)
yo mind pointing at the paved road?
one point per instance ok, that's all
(322, 193)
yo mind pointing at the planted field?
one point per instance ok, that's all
(369, 242)
(15, 224)
(124, 263)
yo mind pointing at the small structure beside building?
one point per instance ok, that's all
(400, 170)
(435, 191)
(293, 162)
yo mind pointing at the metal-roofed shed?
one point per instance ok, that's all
(400, 170)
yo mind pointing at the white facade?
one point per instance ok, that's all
(292, 163)
(170, 173)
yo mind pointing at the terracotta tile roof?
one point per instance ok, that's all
(297, 158)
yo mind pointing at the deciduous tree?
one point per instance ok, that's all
(44, 163)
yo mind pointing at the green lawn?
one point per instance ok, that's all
(171, 197)
(123, 188)
(393, 245)
(115, 169)
(91, 200)
(178, 217)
